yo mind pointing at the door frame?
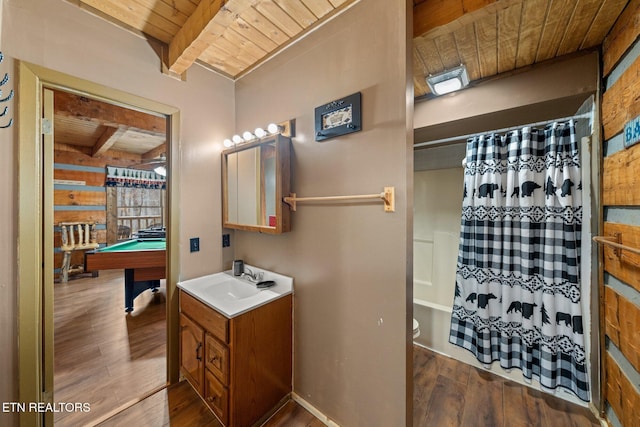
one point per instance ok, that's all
(35, 312)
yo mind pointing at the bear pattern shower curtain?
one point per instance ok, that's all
(517, 294)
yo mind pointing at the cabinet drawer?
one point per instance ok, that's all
(212, 321)
(217, 397)
(217, 358)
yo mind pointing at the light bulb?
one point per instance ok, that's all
(237, 139)
(228, 143)
(273, 128)
(447, 86)
(161, 170)
(248, 136)
(259, 132)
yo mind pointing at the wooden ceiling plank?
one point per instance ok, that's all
(266, 27)
(223, 60)
(248, 31)
(604, 22)
(533, 16)
(244, 45)
(298, 11)
(436, 13)
(555, 26)
(419, 72)
(183, 49)
(107, 139)
(467, 49)
(280, 18)
(337, 3)
(70, 105)
(319, 8)
(487, 37)
(186, 7)
(508, 32)
(448, 50)
(148, 11)
(232, 50)
(582, 19)
(429, 52)
(137, 21)
(168, 12)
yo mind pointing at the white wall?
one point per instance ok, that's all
(62, 37)
(437, 209)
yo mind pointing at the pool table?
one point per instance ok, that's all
(144, 262)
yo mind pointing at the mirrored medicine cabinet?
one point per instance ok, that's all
(255, 178)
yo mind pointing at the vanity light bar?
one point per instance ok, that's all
(285, 128)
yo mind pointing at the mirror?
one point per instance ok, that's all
(255, 178)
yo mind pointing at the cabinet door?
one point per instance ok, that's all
(217, 396)
(191, 352)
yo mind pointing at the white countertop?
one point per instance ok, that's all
(231, 295)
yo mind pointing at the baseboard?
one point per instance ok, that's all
(314, 411)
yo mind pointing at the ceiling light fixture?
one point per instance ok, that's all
(448, 81)
(161, 170)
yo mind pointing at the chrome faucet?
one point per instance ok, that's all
(251, 276)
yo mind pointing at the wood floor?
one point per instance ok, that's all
(179, 405)
(446, 393)
(102, 355)
(450, 393)
(107, 358)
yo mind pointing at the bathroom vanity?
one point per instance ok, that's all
(236, 344)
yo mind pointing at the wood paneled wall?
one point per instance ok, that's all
(84, 200)
(620, 287)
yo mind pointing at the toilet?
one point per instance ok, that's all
(416, 329)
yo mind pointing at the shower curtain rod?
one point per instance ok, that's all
(461, 137)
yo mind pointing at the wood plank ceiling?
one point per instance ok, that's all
(488, 36)
(231, 36)
(497, 36)
(97, 128)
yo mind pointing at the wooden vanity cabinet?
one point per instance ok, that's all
(241, 367)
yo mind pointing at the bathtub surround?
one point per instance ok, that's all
(517, 295)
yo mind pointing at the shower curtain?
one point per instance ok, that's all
(517, 294)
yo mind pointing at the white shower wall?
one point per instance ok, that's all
(437, 211)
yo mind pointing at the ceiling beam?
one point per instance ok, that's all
(155, 153)
(109, 137)
(191, 40)
(432, 14)
(83, 108)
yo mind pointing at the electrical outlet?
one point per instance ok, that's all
(194, 244)
(226, 240)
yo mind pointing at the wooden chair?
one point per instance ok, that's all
(76, 236)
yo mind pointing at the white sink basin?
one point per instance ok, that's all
(233, 296)
(230, 290)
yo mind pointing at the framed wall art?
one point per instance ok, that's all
(339, 117)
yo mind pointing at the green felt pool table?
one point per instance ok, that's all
(144, 262)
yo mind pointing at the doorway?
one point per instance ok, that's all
(107, 352)
(36, 234)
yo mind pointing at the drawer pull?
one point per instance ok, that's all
(198, 351)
